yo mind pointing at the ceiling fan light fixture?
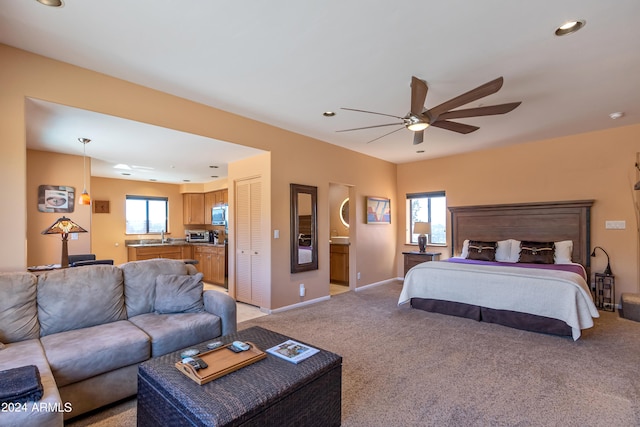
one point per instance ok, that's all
(52, 3)
(416, 124)
(570, 27)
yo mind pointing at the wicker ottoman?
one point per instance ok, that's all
(270, 392)
(631, 306)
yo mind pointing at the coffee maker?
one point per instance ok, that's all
(213, 237)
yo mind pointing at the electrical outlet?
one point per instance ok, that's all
(358, 275)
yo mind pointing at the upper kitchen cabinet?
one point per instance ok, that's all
(197, 206)
(193, 208)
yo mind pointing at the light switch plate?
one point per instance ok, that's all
(615, 225)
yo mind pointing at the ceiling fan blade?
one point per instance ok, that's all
(419, 91)
(418, 137)
(454, 126)
(384, 135)
(489, 110)
(370, 112)
(480, 92)
(371, 127)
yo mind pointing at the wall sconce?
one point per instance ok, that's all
(84, 198)
(422, 228)
(64, 226)
(607, 270)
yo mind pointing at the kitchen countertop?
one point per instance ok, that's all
(181, 243)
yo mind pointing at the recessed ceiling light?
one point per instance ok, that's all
(122, 166)
(186, 180)
(214, 176)
(570, 27)
(616, 115)
(213, 167)
(52, 3)
(125, 173)
(329, 113)
(420, 151)
(153, 179)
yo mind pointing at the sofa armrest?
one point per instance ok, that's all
(223, 306)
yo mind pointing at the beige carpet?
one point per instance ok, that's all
(405, 367)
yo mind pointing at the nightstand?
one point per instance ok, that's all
(412, 258)
(605, 297)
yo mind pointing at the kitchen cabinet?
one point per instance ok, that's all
(211, 263)
(193, 208)
(339, 264)
(209, 202)
(138, 253)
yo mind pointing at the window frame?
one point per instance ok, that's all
(147, 199)
(423, 195)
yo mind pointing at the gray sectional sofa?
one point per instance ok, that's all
(88, 328)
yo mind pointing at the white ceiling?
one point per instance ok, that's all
(285, 62)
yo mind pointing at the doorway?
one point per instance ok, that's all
(341, 236)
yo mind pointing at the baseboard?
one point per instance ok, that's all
(371, 285)
(292, 306)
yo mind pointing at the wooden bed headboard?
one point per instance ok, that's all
(541, 221)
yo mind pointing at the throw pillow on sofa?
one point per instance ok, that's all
(179, 293)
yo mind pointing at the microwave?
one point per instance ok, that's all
(219, 215)
(197, 235)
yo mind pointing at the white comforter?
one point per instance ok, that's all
(556, 294)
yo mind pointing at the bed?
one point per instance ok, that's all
(551, 298)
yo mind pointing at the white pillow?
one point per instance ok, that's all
(503, 251)
(515, 250)
(563, 252)
(465, 249)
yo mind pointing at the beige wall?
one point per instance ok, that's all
(596, 165)
(294, 159)
(47, 168)
(109, 229)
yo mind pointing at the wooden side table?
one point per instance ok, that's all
(412, 258)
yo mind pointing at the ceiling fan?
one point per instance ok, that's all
(419, 118)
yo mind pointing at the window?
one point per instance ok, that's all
(428, 207)
(146, 214)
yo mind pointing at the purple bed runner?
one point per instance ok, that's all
(573, 268)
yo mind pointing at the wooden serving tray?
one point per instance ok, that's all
(221, 361)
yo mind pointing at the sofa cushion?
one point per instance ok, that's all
(74, 298)
(171, 332)
(83, 353)
(179, 293)
(140, 282)
(18, 309)
(30, 352)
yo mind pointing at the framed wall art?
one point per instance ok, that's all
(378, 210)
(56, 198)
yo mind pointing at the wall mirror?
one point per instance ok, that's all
(304, 228)
(344, 212)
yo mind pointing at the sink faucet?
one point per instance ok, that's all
(162, 240)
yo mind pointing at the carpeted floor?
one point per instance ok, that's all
(406, 367)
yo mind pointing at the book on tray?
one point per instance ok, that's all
(292, 351)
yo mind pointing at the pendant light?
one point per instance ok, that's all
(84, 198)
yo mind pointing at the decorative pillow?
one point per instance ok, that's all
(515, 250)
(536, 252)
(179, 293)
(483, 251)
(503, 251)
(563, 252)
(465, 249)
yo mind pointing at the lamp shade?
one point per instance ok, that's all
(64, 226)
(422, 228)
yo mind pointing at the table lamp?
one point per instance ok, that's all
(422, 228)
(607, 270)
(64, 226)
